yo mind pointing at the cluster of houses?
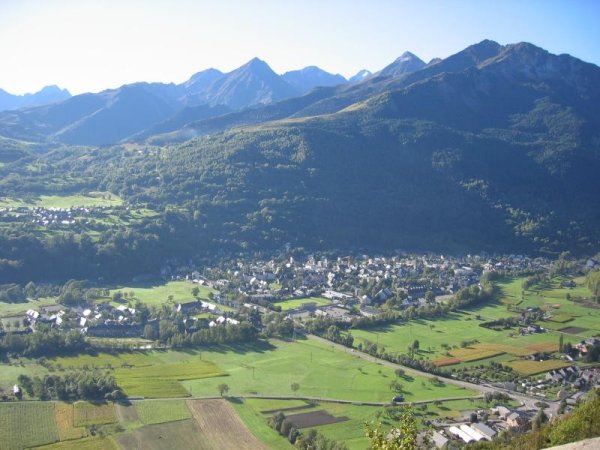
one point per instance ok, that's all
(343, 277)
(106, 320)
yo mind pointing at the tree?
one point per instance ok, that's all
(223, 389)
(561, 346)
(404, 437)
(399, 372)
(195, 291)
(295, 387)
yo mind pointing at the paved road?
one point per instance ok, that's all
(526, 400)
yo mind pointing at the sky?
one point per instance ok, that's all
(91, 45)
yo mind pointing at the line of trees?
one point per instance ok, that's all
(77, 385)
(44, 342)
(312, 440)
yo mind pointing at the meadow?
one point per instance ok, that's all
(293, 303)
(64, 201)
(320, 370)
(161, 411)
(457, 340)
(158, 294)
(13, 309)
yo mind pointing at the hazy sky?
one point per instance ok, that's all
(90, 45)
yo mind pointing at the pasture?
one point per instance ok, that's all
(25, 424)
(320, 369)
(158, 294)
(14, 309)
(294, 303)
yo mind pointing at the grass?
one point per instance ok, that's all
(183, 434)
(268, 404)
(12, 309)
(86, 414)
(319, 369)
(65, 421)
(161, 411)
(257, 424)
(528, 367)
(297, 302)
(92, 443)
(105, 360)
(162, 380)
(65, 201)
(158, 294)
(27, 424)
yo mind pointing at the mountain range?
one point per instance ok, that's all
(48, 94)
(138, 109)
(496, 147)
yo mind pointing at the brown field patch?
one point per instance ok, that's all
(573, 330)
(528, 368)
(503, 348)
(221, 427)
(180, 435)
(86, 414)
(65, 421)
(549, 347)
(449, 361)
(314, 419)
(474, 354)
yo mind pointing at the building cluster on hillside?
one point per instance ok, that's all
(106, 320)
(361, 283)
(53, 216)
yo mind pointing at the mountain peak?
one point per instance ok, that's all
(310, 77)
(360, 76)
(405, 63)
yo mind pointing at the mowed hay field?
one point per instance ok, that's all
(221, 427)
(24, 425)
(163, 380)
(92, 443)
(528, 367)
(180, 435)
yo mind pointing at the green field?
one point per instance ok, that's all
(297, 302)
(163, 379)
(64, 201)
(158, 294)
(25, 425)
(321, 371)
(12, 309)
(160, 411)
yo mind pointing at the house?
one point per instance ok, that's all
(472, 433)
(439, 440)
(368, 311)
(461, 434)
(187, 307)
(502, 411)
(485, 430)
(517, 420)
